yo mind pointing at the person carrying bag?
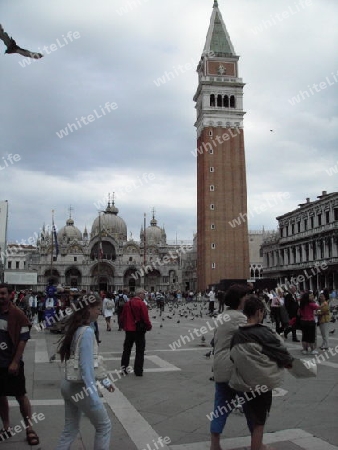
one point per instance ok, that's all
(135, 322)
(72, 368)
(78, 349)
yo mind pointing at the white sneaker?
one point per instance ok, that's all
(304, 352)
(314, 352)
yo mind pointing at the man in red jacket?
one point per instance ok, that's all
(133, 312)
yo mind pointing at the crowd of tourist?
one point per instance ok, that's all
(249, 356)
(293, 310)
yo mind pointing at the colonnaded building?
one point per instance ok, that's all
(304, 249)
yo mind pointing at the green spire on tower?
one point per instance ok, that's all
(218, 39)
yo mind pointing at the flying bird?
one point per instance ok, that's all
(12, 47)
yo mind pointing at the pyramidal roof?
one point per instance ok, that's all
(218, 39)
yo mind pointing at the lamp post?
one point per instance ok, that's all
(144, 250)
(99, 254)
(51, 253)
(1, 268)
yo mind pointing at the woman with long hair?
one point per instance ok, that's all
(83, 397)
(108, 309)
(307, 308)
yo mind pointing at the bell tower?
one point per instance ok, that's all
(222, 230)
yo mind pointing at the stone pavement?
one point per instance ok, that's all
(173, 398)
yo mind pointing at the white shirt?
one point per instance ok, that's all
(107, 312)
(211, 296)
(32, 301)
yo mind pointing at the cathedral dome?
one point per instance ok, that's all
(69, 232)
(155, 234)
(110, 223)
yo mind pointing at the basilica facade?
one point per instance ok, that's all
(105, 259)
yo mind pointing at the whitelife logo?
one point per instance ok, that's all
(9, 160)
(48, 49)
(109, 107)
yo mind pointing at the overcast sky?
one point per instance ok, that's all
(140, 145)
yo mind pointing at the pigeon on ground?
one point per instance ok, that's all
(331, 332)
(12, 47)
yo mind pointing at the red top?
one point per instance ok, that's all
(140, 311)
(307, 312)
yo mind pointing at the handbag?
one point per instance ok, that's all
(303, 368)
(140, 325)
(284, 315)
(72, 369)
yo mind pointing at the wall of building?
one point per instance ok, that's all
(304, 250)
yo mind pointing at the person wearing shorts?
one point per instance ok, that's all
(14, 334)
(259, 357)
(258, 408)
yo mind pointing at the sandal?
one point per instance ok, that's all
(5, 434)
(32, 437)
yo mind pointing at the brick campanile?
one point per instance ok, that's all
(222, 245)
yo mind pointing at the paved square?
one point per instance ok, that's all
(174, 396)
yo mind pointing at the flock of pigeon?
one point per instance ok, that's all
(178, 311)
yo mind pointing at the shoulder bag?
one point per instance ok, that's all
(140, 325)
(72, 369)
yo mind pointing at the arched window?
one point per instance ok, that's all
(219, 100)
(226, 101)
(212, 100)
(232, 102)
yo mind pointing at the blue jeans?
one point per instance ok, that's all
(94, 410)
(223, 407)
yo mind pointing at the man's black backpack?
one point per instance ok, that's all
(120, 301)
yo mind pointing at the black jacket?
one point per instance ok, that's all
(291, 305)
